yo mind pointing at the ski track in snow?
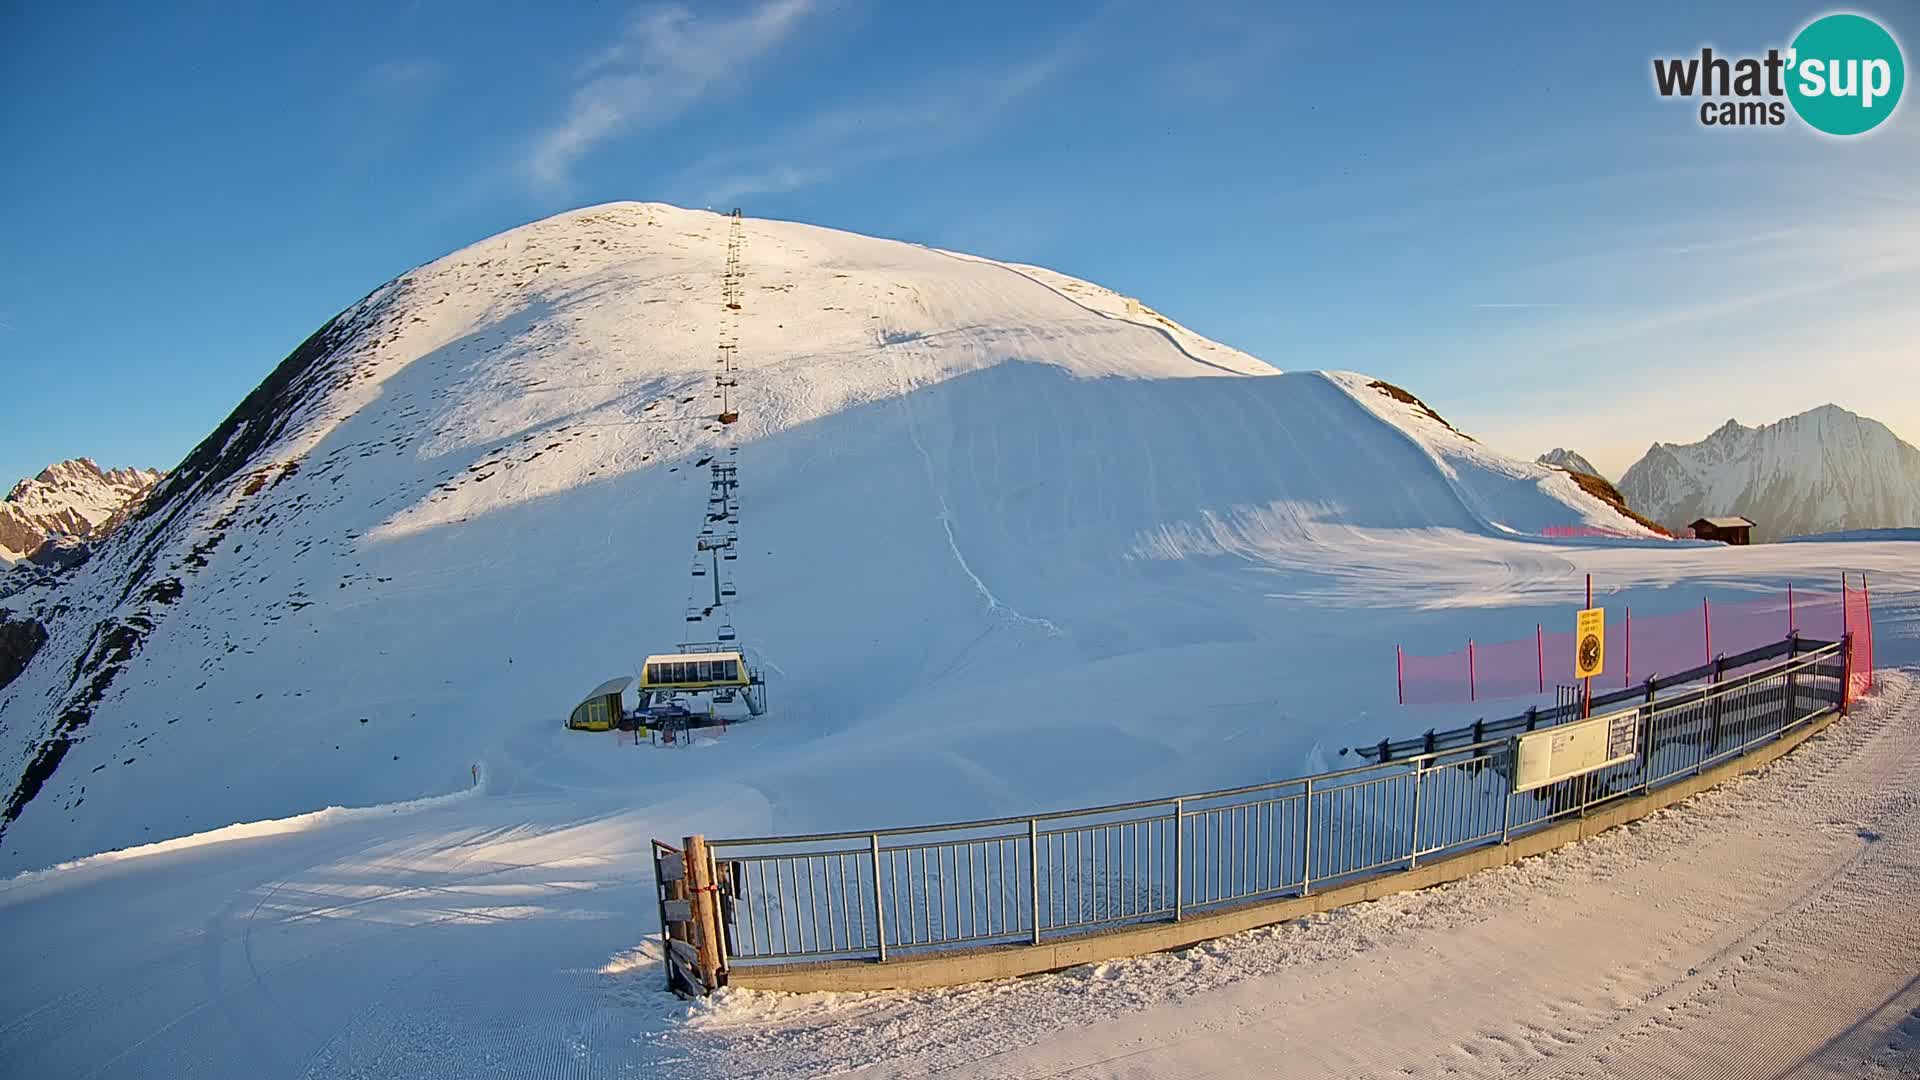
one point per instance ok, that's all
(994, 605)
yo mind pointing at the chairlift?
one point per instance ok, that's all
(726, 632)
(729, 554)
(693, 614)
(699, 568)
(726, 587)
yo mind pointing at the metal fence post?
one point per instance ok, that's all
(1033, 874)
(879, 906)
(1413, 844)
(1646, 751)
(1179, 863)
(1506, 797)
(1306, 839)
(1714, 698)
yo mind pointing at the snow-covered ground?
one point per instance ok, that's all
(964, 485)
(1011, 542)
(506, 932)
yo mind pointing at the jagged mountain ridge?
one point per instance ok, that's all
(472, 495)
(73, 499)
(1568, 459)
(1823, 470)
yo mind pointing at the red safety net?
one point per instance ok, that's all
(1586, 532)
(1858, 615)
(1638, 647)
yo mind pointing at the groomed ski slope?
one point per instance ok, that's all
(1759, 930)
(995, 563)
(981, 503)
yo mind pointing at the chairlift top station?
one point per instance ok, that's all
(713, 666)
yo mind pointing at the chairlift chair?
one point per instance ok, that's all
(726, 632)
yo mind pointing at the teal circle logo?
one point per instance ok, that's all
(1845, 74)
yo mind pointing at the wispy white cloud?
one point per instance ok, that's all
(664, 61)
(942, 112)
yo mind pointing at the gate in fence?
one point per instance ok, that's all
(882, 894)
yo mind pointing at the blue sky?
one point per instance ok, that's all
(1496, 212)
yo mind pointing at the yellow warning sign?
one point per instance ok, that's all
(1589, 643)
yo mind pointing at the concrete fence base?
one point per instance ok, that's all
(1008, 961)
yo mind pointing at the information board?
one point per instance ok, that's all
(1554, 754)
(1589, 643)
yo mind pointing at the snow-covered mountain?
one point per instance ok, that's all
(1561, 457)
(973, 495)
(72, 500)
(68, 506)
(1824, 470)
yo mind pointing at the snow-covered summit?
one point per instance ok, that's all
(473, 495)
(1823, 470)
(73, 499)
(1561, 457)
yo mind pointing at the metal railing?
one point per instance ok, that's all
(967, 885)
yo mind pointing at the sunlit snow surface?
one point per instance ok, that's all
(1010, 543)
(979, 502)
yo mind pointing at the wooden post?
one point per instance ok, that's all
(677, 924)
(703, 898)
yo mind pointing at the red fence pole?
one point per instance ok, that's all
(1706, 620)
(1473, 691)
(1540, 650)
(1400, 675)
